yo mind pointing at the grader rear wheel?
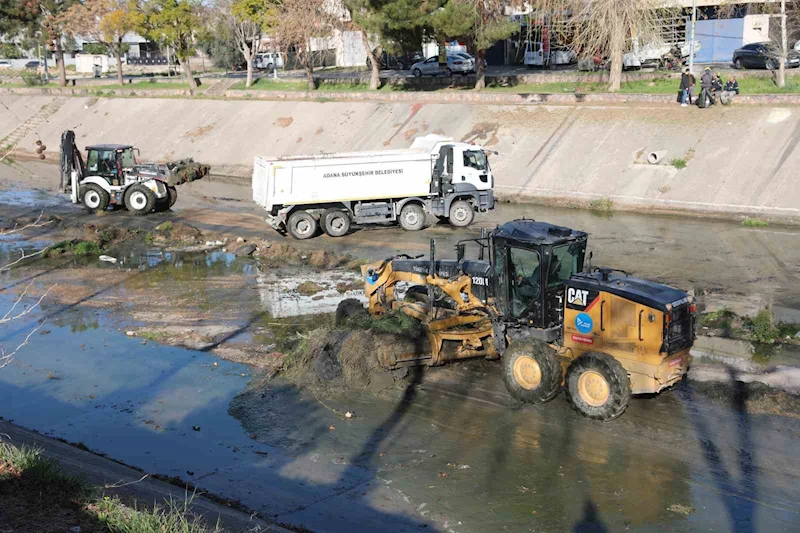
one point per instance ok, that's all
(532, 372)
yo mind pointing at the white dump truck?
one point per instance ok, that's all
(437, 175)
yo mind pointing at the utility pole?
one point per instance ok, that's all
(691, 43)
(784, 52)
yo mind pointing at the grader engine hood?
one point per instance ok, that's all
(174, 173)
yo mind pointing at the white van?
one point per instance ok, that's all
(268, 60)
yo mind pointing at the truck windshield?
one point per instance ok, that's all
(475, 159)
(567, 260)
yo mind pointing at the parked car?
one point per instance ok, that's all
(762, 55)
(471, 58)
(455, 65)
(267, 61)
(5, 64)
(33, 65)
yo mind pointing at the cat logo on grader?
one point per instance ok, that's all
(601, 334)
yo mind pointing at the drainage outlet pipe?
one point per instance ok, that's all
(655, 157)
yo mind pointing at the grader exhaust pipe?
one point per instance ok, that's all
(655, 158)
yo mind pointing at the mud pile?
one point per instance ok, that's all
(333, 359)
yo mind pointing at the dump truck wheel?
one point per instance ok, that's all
(336, 222)
(532, 372)
(139, 199)
(598, 386)
(95, 199)
(461, 214)
(412, 217)
(301, 225)
(347, 309)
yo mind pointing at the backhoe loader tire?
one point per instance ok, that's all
(412, 217)
(347, 309)
(461, 214)
(336, 222)
(302, 225)
(163, 204)
(532, 372)
(94, 198)
(598, 386)
(139, 199)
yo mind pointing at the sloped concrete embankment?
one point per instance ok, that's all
(739, 160)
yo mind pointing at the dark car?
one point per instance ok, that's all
(763, 55)
(33, 65)
(397, 62)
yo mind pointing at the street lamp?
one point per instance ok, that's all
(691, 42)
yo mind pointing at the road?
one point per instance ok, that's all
(450, 451)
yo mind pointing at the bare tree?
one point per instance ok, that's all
(18, 309)
(300, 25)
(607, 28)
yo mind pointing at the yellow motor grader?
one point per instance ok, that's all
(600, 333)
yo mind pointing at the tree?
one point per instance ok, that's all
(173, 23)
(298, 24)
(105, 21)
(606, 28)
(247, 20)
(37, 17)
(480, 22)
(217, 41)
(393, 25)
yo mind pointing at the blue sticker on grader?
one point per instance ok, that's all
(584, 323)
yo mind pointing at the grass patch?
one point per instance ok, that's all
(678, 162)
(763, 327)
(85, 248)
(37, 494)
(395, 322)
(754, 223)
(602, 205)
(155, 336)
(174, 517)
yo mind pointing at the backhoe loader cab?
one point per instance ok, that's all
(601, 334)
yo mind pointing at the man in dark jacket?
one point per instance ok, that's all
(686, 82)
(731, 88)
(706, 83)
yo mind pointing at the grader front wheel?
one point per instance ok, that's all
(532, 372)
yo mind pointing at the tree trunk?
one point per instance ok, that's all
(188, 64)
(309, 64)
(480, 70)
(249, 58)
(615, 74)
(782, 58)
(120, 79)
(62, 69)
(374, 62)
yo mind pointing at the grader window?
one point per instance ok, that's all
(567, 260)
(525, 281)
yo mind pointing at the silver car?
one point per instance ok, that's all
(456, 64)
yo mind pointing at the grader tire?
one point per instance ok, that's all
(598, 386)
(532, 372)
(347, 309)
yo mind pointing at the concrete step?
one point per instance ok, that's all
(29, 126)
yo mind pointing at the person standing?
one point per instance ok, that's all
(706, 83)
(692, 83)
(686, 82)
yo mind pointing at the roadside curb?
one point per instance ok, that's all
(102, 471)
(453, 97)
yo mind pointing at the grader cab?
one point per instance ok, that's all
(600, 333)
